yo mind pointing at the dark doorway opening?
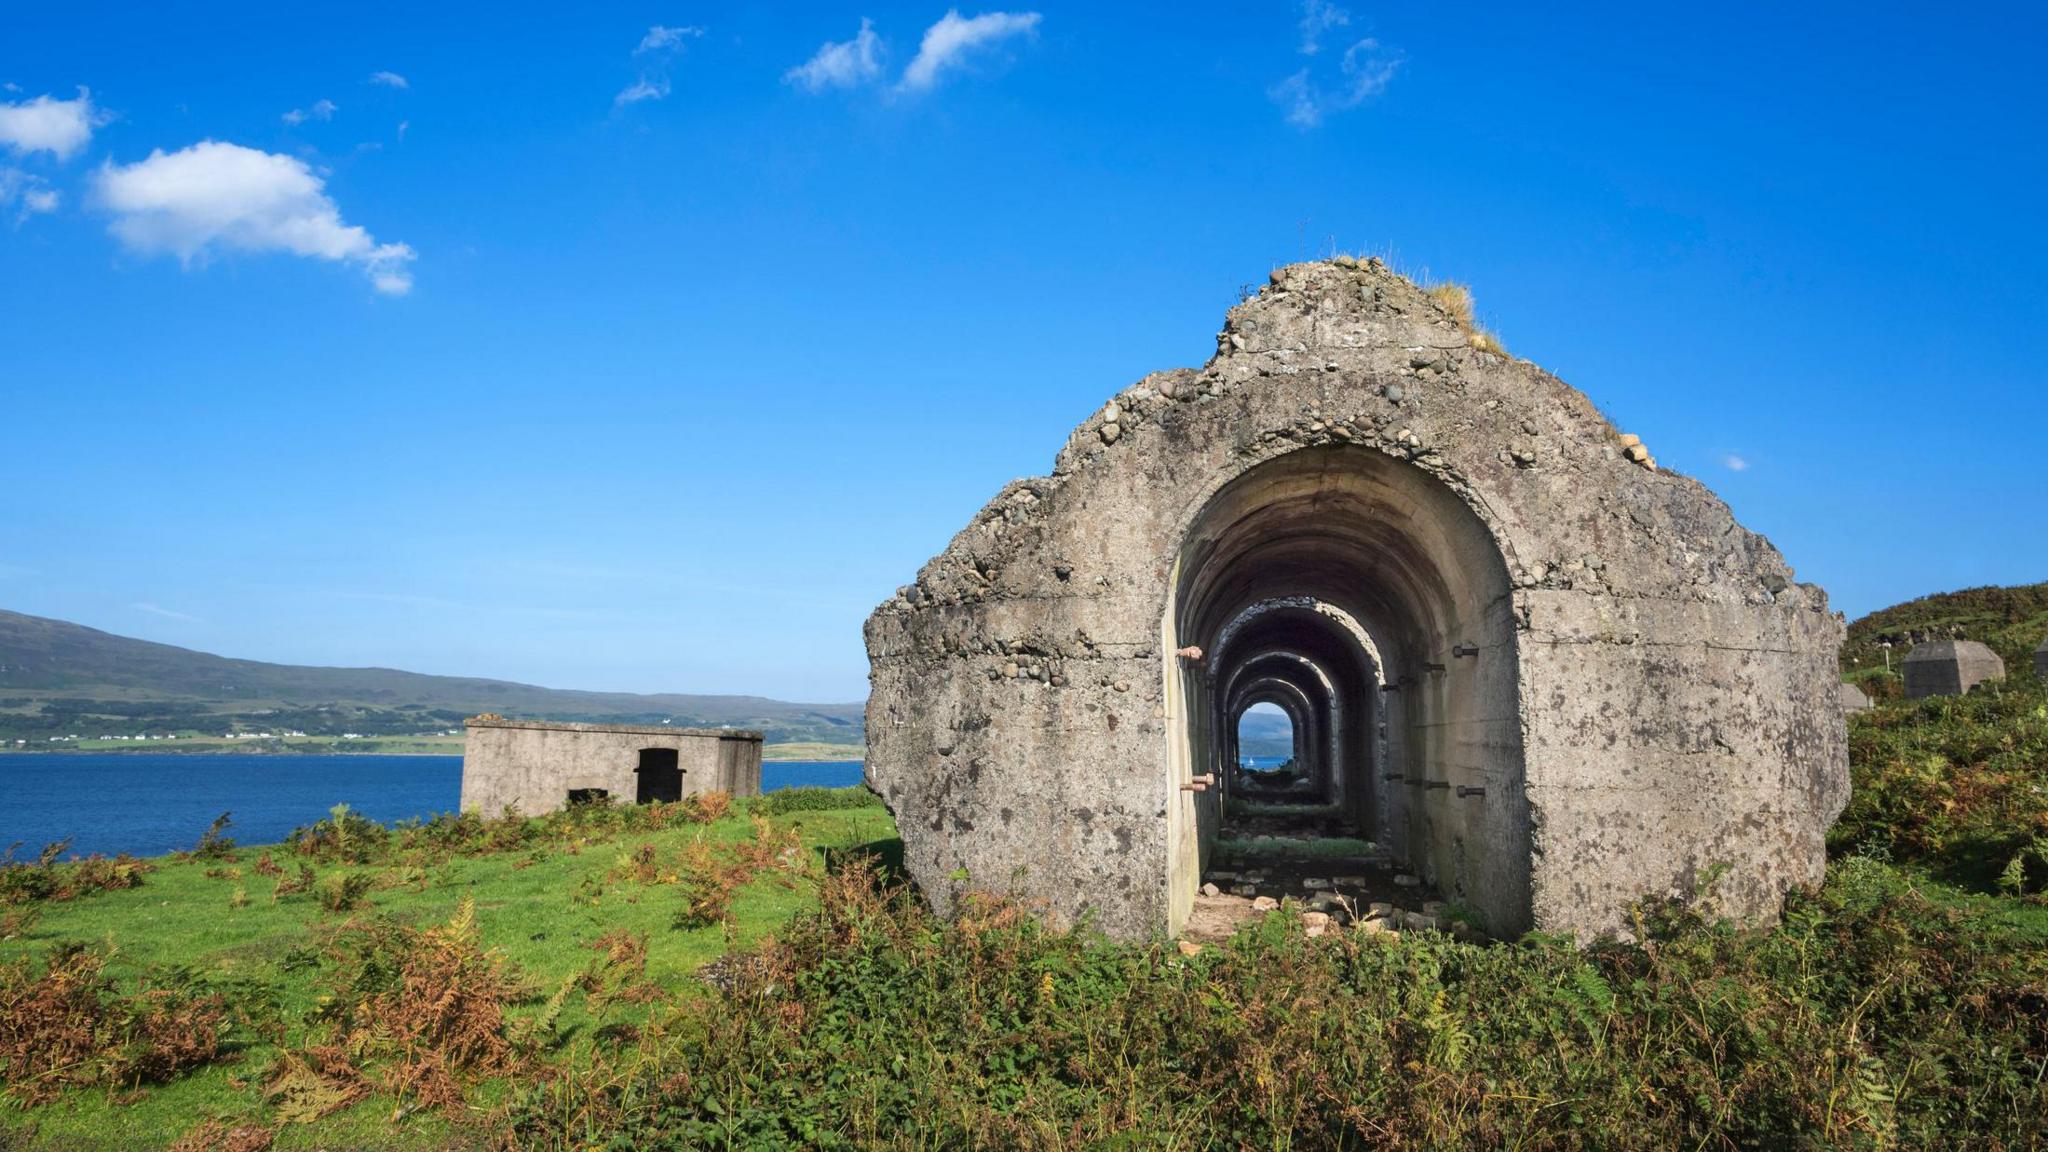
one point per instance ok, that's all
(660, 779)
(588, 796)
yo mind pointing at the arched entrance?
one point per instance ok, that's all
(1365, 597)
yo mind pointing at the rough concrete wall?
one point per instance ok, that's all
(531, 766)
(2041, 660)
(1678, 688)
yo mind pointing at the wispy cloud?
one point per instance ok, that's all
(27, 194)
(388, 80)
(1364, 71)
(1318, 17)
(645, 88)
(948, 44)
(60, 127)
(321, 110)
(656, 52)
(166, 613)
(841, 64)
(661, 39)
(215, 195)
(1735, 462)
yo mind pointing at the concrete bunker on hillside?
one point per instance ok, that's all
(2041, 660)
(1520, 664)
(537, 766)
(1950, 668)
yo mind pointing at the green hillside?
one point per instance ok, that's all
(2011, 620)
(58, 679)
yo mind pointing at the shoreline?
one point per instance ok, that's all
(856, 753)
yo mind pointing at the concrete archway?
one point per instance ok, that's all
(1394, 550)
(1550, 677)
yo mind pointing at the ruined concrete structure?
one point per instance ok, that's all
(2041, 660)
(1540, 673)
(1854, 699)
(1950, 668)
(537, 766)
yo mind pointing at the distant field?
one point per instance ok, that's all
(811, 750)
(388, 746)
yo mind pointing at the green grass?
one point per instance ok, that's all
(541, 908)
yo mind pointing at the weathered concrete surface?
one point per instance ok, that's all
(1950, 668)
(2041, 660)
(1600, 686)
(531, 766)
(1854, 699)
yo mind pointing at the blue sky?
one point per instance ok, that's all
(610, 346)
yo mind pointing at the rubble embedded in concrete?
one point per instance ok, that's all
(1678, 701)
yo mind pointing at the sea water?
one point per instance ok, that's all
(146, 804)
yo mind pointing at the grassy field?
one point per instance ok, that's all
(813, 751)
(543, 984)
(540, 901)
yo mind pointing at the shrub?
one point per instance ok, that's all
(418, 1013)
(1955, 784)
(46, 878)
(345, 892)
(214, 843)
(811, 798)
(345, 837)
(1872, 1017)
(64, 1025)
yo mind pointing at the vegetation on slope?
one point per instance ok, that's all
(2012, 621)
(687, 976)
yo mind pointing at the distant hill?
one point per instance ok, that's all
(56, 675)
(2011, 620)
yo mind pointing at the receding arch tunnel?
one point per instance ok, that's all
(1365, 598)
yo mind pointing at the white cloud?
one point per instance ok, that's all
(1365, 71)
(841, 64)
(214, 195)
(388, 80)
(166, 613)
(1735, 462)
(661, 45)
(1318, 17)
(59, 127)
(660, 39)
(27, 193)
(947, 43)
(321, 110)
(645, 88)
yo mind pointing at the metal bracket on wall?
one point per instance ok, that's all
(1436, 784)
(1200, 783)
(1464, 650)
(1434, 668)
(1464, 791)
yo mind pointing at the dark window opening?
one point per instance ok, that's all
(588, 796)
(660, 778)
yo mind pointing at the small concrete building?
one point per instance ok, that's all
(1854, 699)
(1950, 668)
(2041, 660)
(539, 766)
